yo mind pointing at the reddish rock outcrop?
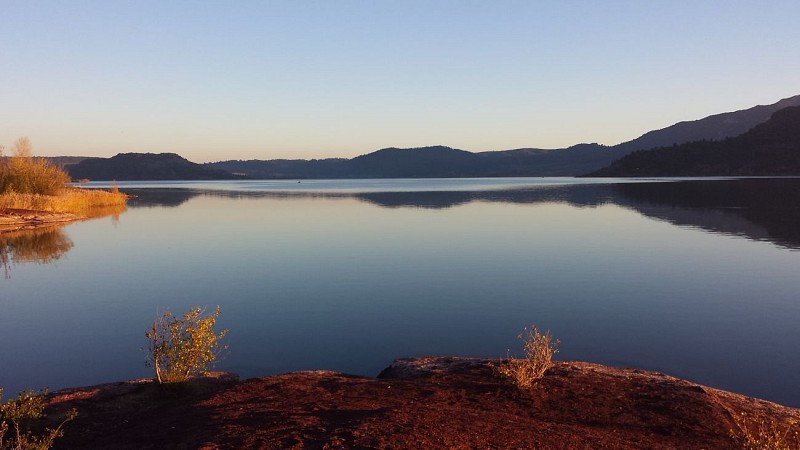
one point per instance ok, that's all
(415, 403)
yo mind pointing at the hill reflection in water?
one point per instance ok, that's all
(758, 209)
(661, 275)
(763, 209)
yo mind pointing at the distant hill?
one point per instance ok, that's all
(426, 162)
(550, 163)
(711, 128)
(67, 161)
(443, 162)
(438, 161)
(431, 162)
(145, 166)
(283, 168)
(771, 148)
(385, 163)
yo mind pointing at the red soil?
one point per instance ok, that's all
(415, 403)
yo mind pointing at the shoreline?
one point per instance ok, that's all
(439, 402)
(12, 219)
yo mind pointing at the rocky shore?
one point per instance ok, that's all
(436, 402)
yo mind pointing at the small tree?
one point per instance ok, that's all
(16, 415)
(539, 350)
(181, 348)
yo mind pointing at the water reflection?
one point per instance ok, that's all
(576, 195)
(757, 209)
(40, 245)
(44, 244)
(160, 198)
(350, 280)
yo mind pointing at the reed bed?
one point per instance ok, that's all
(85, 202)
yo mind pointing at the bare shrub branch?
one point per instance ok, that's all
(539, 350)
(763, 434)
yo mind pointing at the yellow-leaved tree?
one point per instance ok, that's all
(179, 348)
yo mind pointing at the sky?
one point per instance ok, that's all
(216, 80)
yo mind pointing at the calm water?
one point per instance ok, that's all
(697, 279)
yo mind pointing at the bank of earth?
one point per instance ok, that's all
(437, 402)
(21, 219)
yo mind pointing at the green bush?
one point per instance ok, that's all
(183, 347)
(16, 416)
(539, 350)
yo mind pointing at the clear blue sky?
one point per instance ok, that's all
(216, 80)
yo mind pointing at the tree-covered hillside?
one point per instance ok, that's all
(769, 149)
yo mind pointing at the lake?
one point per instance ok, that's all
(694, 278)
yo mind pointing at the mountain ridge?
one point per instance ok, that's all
(437, 161)
(771, 148)
(570, 161)
(715, 127)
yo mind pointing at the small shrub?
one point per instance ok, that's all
(539, 350)
(24, 174)
(760, 434)
(16, 416)
(181, 348)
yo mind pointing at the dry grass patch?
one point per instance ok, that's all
(539, 350)
(762, 434)
(85, 202)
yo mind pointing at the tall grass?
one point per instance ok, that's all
(86, 202)
(34, 183)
